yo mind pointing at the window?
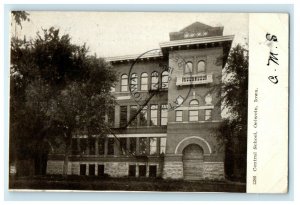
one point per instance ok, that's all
(110, 146)
(111, 117)
(124, 83)
(154, 81)
(143, 116)
(164, 115)
(92, 170)
(188, 68)
(83, 145)
(201, 67)
(142, 170)
(123, 116)
(82, 169)
(164, 79)
(133, 82)
(143, 145)
(132, 145)
(178, 115)
(101, 145)
(193, 115)
(144, 81)
(132, 170)
(153, 146)
(133, 111)
(194, 103)
(163, 142)
(153, 114)
(123, 144)
(75, 148)
(152, 170)
(101, 170)
(92, 142)
(208, 114)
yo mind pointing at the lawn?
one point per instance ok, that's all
(125, 184)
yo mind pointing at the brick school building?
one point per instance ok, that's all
(168, 107)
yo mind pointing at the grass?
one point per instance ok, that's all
(51, 182)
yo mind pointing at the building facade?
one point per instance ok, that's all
(168, 106)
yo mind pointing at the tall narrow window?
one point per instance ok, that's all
(163, 143)
(111, 146)
(123, 116)
(123, 145)
(133, 111)
(153, 146)
(201, 67)
(154, 81)
(124, 83)
(92, 142)
(132, 145)
(75, 148)
(193, 115)
(82, 169)
(164, 115)
(178, 115)
(83, 145)
(143, 145)
(188, 68)
(153, 114)
(91, 169)
(164, 80)
(144, 81)
(101, 170)
(133, 82)
(111, 117)
(143, 116)
(101, 146)
(208, 114)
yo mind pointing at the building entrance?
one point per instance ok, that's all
(193, 162)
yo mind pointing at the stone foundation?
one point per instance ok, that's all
(213, 170)
(55, 167)
(113, 169)
(173, 170)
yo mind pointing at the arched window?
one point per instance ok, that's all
(133, 82)
(188, 67)
(164, 79)
(194, 103)
(154, 81)
(124, 83)
(144, 81)
(201, 67)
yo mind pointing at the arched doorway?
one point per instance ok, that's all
(192, 162)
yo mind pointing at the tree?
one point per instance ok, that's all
(57, 89)
(233, 130)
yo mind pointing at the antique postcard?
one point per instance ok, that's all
(146, 101)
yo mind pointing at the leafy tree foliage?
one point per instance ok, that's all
(233, 130)
(57, 91)
(20, 16)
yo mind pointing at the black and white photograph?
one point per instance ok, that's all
(128, 101)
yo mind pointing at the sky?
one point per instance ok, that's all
(109, 34)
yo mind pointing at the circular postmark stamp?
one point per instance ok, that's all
(174, 73)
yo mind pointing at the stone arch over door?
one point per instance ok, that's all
(193, 140)
(192, 159)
